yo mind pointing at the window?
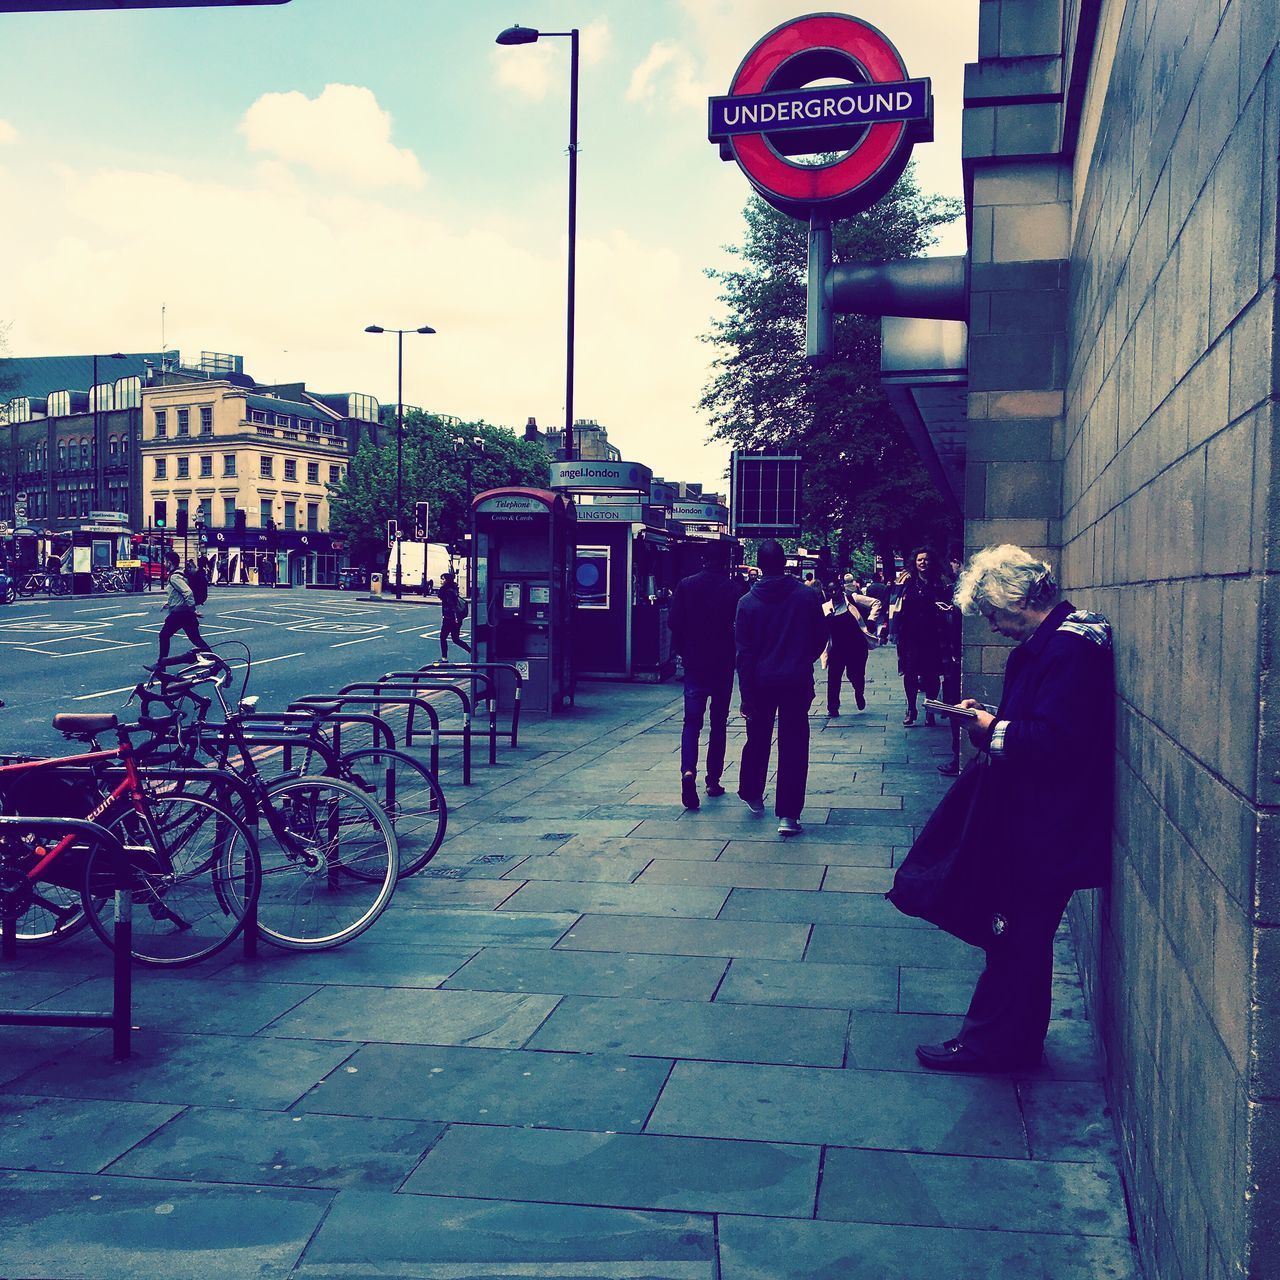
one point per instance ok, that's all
(205, 515)
(184, 422)
(313, 517)
(290, 469)
(264, 466)
(228, 464)
(84, 455)
(113, 448)
(206, 420)
(228, 512)
(162, 424)
(206, 466)
(62, 456)
(290, 515)
(313, 473)
(161, 469)
(264, 512)
(335, 475)
(184, 467)
(124, 448)
(256, 415)
(182, 507)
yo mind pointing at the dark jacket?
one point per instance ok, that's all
(1052, 752)
(448, 594)
(921, 627)
(780, 631)
(701, 621)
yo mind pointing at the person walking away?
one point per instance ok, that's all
(1052, 745)
(701, 621)
(180, 610)
(920, 632)
(779, 631)
(952, 650)
(852, 619)
(453, 609)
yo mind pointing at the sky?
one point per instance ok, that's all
(273, 179)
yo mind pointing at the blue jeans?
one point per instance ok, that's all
(699, 687)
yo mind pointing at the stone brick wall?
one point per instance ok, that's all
(1123, 415)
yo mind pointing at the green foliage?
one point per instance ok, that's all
(437, 457)
(863, 477)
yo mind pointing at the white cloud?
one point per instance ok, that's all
(343, 133)
(7, 133)
(669, 73)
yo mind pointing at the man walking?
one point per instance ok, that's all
(780, 631)
(701, 623)
(180, 609)
(853, 620)
(453, 609)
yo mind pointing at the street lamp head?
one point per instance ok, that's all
(374, 328)
(426, 328)
(117, 355)
(517, 35)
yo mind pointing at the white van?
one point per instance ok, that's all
(423, 563)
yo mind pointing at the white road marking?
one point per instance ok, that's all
(119, 617)
(363, 640)
(104, 693)
(235, 666)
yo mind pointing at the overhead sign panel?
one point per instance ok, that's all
(700, 512)
(589, 475)
(765, 495)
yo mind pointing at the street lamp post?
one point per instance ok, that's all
(527, 35)
(377, 328)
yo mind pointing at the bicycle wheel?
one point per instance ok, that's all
(408, 793)
(29, 585)
(329, 862)
(43, 912)
(195, 874)
(10, 592)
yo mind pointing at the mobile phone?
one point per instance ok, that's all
(946, 709)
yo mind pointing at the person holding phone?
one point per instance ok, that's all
(1052, 742)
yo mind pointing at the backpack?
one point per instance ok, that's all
(198, 581)
(461, 611)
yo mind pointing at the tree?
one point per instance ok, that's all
(434, 470)
(864, 480)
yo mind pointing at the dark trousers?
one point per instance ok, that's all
(951, 694)
(182, 618)
(700, 688)
(1009, 1013)
(449, 630)
(851, 662)
(913, 686)
(791, 709)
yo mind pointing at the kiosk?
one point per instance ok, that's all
(522, 541)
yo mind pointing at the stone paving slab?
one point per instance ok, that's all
(487, 1239)
(589, 973)
(446, 930)
(630, 1171)
(805, 852)
(619, 899)
(372, 960)
(268, 1148)
(937, 1191)
(949, 991)
(489, 1019)
(817, 908)
(953, 1115)
(601, 1091)
(810, 985)
(684, 849)
(741, 875)
(857, 880)
(687, 937)
(581, 867)
(776, 1249)
(874, 944)
(74, 1225)
(67, 1135)
(725, 1032)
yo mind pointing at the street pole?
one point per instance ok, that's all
(399, 452)
(570, 442)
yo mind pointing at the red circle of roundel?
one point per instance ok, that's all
(803, 183)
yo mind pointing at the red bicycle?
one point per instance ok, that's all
(194, 868)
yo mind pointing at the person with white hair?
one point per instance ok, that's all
(1047, 801)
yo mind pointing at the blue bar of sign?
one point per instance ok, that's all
(829, 106)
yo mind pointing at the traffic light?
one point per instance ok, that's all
(421, 511)
(161, 514)
(240, 520)
(393, 532)
(180, 523)
(272, 537)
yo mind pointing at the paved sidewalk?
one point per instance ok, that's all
(602, 1037)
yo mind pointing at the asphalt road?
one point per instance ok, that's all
(87, 654)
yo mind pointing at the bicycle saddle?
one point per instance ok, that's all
(69, 723)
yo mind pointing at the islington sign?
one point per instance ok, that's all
(774, 111)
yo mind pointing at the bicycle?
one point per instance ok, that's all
(38, 580)
(408, 793)
(330, 856)
(194, 865)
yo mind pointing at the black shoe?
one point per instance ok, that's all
(689, 790)
(862, 702)
(909, 719)
(754, 803)
(950, 770)
(951, 1055)
(833, 715)
(714, 788)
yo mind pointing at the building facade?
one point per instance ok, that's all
(1122, 384)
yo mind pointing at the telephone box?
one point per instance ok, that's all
(521, 547)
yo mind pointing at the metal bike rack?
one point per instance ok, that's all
(388, 693)
(425, 679)
(334, 703)
(120, 1019)
(467, 667)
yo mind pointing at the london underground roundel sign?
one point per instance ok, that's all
(869, 111)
